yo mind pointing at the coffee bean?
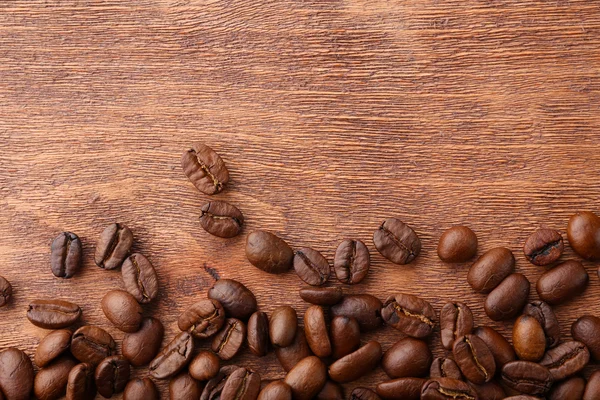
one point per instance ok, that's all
(276, 390)
(407, 358)
(361, 393)
(457, 244)
(566, 359)
(204, 366)
(258, 334)
(50, 383)
(80, 382)
(570, 389)
(291, 355)
(507, 299)
(228, 341)
(331, 391)
(351, 367)
(203, 319)
(543, 313)
(501, 349)
(139, 277)
(307, 378)
(205, 169)
(184, 387)
(409, 314)
(112, 375)
(173, 357)
(366, 309)
(16, 374)
(141, 389)
(345, 336)
(242, 384)
(527, 377)
(123, 310)
(447, 388)
(214, 387)
(592, 389)
(91, 344)
(396, 241)
(491, 269)
(543, 247)
(352, 261)
(283, 326)
(65, 255)
(474, 358)
(311, 266)
(522, 397)
(401, 389)
(237, 300)
(445, 368)
(562, 282)
(5, 291)
(221, 219)
(322, 296)
(315, 329)
(269, 253)
(141, 347)
(456, 319)
(52, 346)
(114, 245)
(587, 331)
(528, 339)
(53, 314)
(488, 391)
(583, 232)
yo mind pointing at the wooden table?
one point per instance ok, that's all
(331, 116)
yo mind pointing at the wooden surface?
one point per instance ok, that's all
(331, 116)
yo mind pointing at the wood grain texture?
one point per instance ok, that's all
(331, 116)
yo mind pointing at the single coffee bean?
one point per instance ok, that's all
(445, 368)
(173, 358)
(407, 358)
(5, 291)
(311, 266)
(528, 338)
(139, 277)
(527, 377)
(228, 341)
(258, 334)
(283, 326)
(112, 375)
(401, 389)
(80, 382)
(214, 387)
(570, 389)
(331, 391)
(65, 255)
(566, 359)
(291, 355)
(543, 246)
(457, 244)
(474, 359)
(356, 364)
(409, 314)
(141, 347)
(315, 329)
(583, 232)
(53, 314)
(203, 319)
(114, 245)
(276, 390)
(491, 269)
(587, 331)
(543, 313)
(123, 310)
(204, 366)
(562, 282)
(488, 391)
(237, 300)
(91, 344)
(50, 383)
(307, 378)
(456, 320)
(361, 393)
(141, 389)
(242, 384)
(322, 296)
(501, 349)
(447, 388)
(184, 387)
(592, 389)
(352, 261)
(52, 346)
(507, 299)
(205, 169)
(366, 309)
(397, 241)
(269, 253)
(345, 336)
(16, 374)
(221, 219)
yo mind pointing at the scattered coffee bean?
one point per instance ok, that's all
(361, 393)
(53, 314)
(566, 359)
(331, 391)
(592, 389)
(50, 382)
(401, 389)
(205, 169)
(228, 341)
(528, 338)
(276, 390)
(507, 299)
(268, 252)
(322, 296)
(447, 388)
(456, 319)
(184, 387)
(141, 347)
(52, 346)
(543, 313)
(80, 382)
(16, 374)
(587, 331)
(204, 366)
(445, 368)
(583, 232)
(5, 291)
(242, 384)
(139, 277)
(307, 378)
(409, 314)
(491, 269)
(397, 242)
(366, 309)
(258, 334)
(569, 389)
(457, 244)
(203, 319)
(112, 375)
(543, 247)
(315, 329)
(91, 344)
(356, 364)
(237, 300)
(291, 355)
(488, 391)
(65, 255)
(283, 326)
(527, 377)
(311, 266)
(344, 334)
(474, 358)
(407, 358)
(123, 310)
(141, 389)
(500, 347)
(352, 261)
(221, 219)
(214, 387)
(562, 282)
(114, 245)
(173, 358)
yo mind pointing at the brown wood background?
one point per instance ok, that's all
(331, 116)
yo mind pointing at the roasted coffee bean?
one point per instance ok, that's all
(204, 366)
(528, 338)
(457, 244)
(269, 253)
(331, 391)
(488, 391)
(214, 387)
(16, 374)
(242, 384)
(205, 169)
(456, 320)
(408, 357)
(447, 388)
(543, 313)
(258, 334)
(80, 383)
(114, 245)
(322, 296)
(352, 261)
(173, 358)
(401, 389)
(366, 309)
(228, 341)
(112, 375)
(361, 393)
(543, 247)
(507, 299)
(587, 331)
(5, 291)
(307, 378)
(474, 358)
(491, 269)
(203, 319)
(237, 300)
(283, 326)
(141, 389)
(122, 310)
(527, 377)
(50, 383)
(315, 329)
(356, 364)
(53, 314)
(570, 389)
(184, 387)
(409, 314)
(522, 397)
(583, 232)
(276, 390)
(221, 219)
(311, 266)
(345, 336)
(445, 368)
(52, 346)
(397, 241)
(291, 355)
(139, 277)
(65, 255)
(562, 282)
(592, 389)
(566, 359)
(500, 347)
(141, 347)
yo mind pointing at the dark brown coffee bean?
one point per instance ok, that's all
(474, 358)
(214, 387)
(283, 326)
(123, 310)
(366, 309)
(592, 389)
(331, 391)
(221, 219)
(352, 261)
(5, 291)
(570, 389)
(401, 389)
(562, 282)
(527, 377)
(361, 393)
(307, 378)
(322, 296)
(566, 359)
(50, 383)
(237, 300)
(91, 344)
(457, 244)
(16, 374)
(173, 358)
(543, 246)
(204, 366)
(500, 347)
(228, 341)
(276, 390)
(141, 347)
(522, 397)
(80, 382)
(528, 338)
(311, 266)
(258, 334)
(356, 364)
(345, 336)
(205, 169)
(203, 319)
(445, 368)
(269, 253)
(291, 355)
(114, 245)
(507, 299)
(52, 346)
(141, 389)
(396, 241)
(587, 331)
(488, 391)
(65, 255)
(184, 387)
(112, 375)
(456, 320)
(491, 269)
(447, 388)
(315, 329)
(543, 313)
(408, 357)
(242, 384)
(140, 278)
(53, 314)
(583, 232)
(409, 314)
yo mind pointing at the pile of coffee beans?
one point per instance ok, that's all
(327, 349)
